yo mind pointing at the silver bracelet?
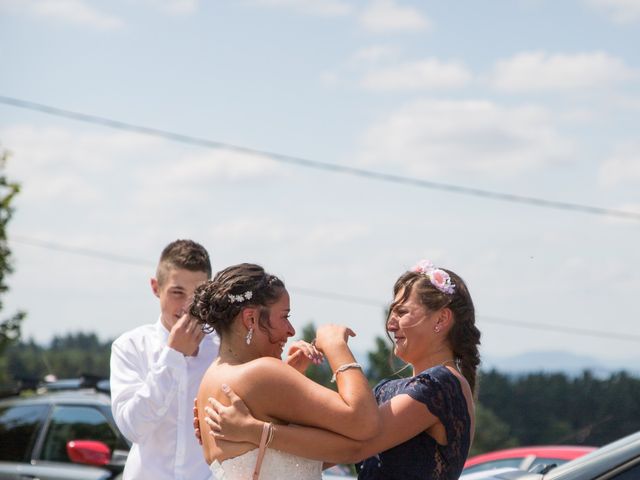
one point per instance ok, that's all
(344, 367)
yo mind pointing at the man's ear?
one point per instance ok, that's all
(155, 288)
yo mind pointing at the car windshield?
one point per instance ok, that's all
(617, 446)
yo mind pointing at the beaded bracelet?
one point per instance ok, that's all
(344, 367)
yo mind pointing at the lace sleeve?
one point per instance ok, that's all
(440, 391)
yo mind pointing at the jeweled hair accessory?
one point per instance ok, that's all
(438, 277)
(240, 298)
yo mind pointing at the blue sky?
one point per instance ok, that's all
(529, 97)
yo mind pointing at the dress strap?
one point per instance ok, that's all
(263, 448)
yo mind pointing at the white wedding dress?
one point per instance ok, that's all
(276, 465)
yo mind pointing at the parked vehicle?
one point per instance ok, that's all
(524, 458)
(64, 430)
(619, 460)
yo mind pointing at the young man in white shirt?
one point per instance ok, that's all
(156, 371)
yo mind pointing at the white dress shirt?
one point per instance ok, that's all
(152, 392)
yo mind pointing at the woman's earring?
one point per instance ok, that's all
(249, 336)
(436, 329)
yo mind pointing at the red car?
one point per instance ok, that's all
(525, 457)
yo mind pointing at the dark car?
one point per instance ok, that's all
(62, 431)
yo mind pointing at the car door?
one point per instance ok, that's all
(20, 425)
(67, 422)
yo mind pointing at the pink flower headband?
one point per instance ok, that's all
(438, 277)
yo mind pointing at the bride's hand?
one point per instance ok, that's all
(302, 354)
(233, 423)
(331, 335)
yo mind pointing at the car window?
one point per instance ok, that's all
(19, 426)
(75, 422)
(506, 462)
(632, 474)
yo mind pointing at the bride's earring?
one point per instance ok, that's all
(249, 336)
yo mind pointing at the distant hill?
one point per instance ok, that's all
(559, 361)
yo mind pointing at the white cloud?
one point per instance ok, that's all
(387, 16)
(314, 237)
(622, 167)
(329, 8)
(180, 7)
(70, 166)
(375, 53)
(332, 234)
(425, 74)
(433, 136)
(330, 79)
(246, 229)
(197, 168)
(620, 11)
(77, 12)
(60, 164)
(543, 71)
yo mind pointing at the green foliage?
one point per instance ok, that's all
(491, 432)
(9, 328)
(67, 356)
(546, 408)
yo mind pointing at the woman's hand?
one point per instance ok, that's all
(233, 423)
(331, 335)
(302, 354)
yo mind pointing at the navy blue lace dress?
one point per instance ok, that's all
(421, 457)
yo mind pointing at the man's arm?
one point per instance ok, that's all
(141, 396)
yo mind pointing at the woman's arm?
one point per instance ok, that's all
(275, 391)
(401, 419)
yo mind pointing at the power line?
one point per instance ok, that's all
(559, 328)
(330, 167)
(87, 252)
(327, 295)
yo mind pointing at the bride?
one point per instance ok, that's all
(249, 309)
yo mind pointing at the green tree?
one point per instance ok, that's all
(491, 433)
(10, 327)
(67, 356)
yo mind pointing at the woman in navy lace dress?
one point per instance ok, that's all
(427, 420)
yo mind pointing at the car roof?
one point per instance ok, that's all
(625, 451)
(600, 461)
(564, 452)
(79, 397)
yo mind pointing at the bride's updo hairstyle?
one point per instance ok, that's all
(217, 302)
(439, 288)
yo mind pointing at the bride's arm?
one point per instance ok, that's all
(277, 392)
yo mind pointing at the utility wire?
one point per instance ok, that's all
(560, 328)
(87, 252)
(146, 263)
(328, 295)
(331, 167)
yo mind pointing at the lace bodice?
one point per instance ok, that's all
(421, 457)
(276, 465)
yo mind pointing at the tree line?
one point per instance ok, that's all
(531, 409)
